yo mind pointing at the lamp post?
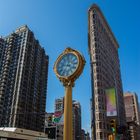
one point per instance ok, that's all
(68, 67)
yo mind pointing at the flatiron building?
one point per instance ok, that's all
(105, 74)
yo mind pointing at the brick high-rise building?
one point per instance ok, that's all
(23, 80)
(132, 107)
(105, 73)
(132, 115)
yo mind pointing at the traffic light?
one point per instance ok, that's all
(50, 118)
(113, 125)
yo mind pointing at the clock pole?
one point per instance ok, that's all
(68, 69)
(68, 113)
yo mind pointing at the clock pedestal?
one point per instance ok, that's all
(68, 113)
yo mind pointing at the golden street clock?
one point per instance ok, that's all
(69, 65)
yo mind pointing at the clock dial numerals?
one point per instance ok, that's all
(67, 64)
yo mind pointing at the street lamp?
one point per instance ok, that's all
(68, 67)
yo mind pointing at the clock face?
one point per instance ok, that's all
(67, 64)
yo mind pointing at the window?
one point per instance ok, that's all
(100, 125)
(94, 16)
(100, 116)
(104, 126)
(101, 135)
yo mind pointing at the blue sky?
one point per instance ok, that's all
(61, 23)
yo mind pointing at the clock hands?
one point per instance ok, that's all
(67, 65)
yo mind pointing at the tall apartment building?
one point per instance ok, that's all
(23, 80)
(131, 107)
(105, 73)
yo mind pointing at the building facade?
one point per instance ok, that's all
(59, 105)
(87, 136)
(139, 110)
(82, 134)
(132, 115)
(59, 110)
(23, 81)
(76, 120)
(133, 130)
(105, 73)
(131, 107)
